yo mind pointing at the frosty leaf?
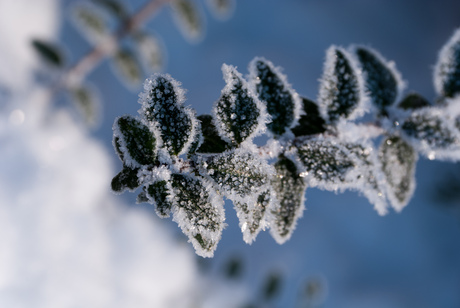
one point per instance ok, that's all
(197, 139)
(50, 53)
(382, 81)
(252, 216)
(221, 9)
(125, 180)
(413, 101)
(199, 212)
(189, 19)
(447, 69)
(142, 197)
(150, 50)
(127, 67)
(162, 105)
(238, 114)
(87, 102)
(340, 92)
(398, 160)
(134, 141)
(289, 189)
(283, 103)
(429, 126)
(212, 143)
(114, 7)
(239, 173)
(159, 194)
(91, 23)
(311, 122)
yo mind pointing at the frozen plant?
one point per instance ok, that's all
(186, 164)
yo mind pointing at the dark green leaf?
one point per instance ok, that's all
(398, 160)
(48, 52)
(289, 189)
(447, 70)
(158, 192)
(162, 105)
(413, 101)
(340, 92)
(212, 142)
(283, 103)
(238, 113)
(311, 123)
(125, 180)
(380, 79)
(134, 138)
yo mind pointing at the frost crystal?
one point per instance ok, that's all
(162, 106)
(289, 188)
(447, 69)
(198, 211)
(239, 173)
(341, 92)
(283, 103)
(398, 161)
(238, 114)
(382, 81)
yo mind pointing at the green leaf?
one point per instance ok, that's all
(398, 161)
(162, 105)
(238, 115)
(413, 101)
(127, 68)
(113, 7)
(340, 91)
(429, 126)
(238, 173)
(447, 69)
(289, 190)
(199, 212)
(159, 193)
(310, 123)
(150, 50)
(382, 81)
(252, 215)
(50, 53)
(283, 103)
(212, 142)
(125, 180)
(135, 142)
(87, 102)
(189, 19)
(91, 23)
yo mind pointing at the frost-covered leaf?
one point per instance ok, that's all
(162, 105)
(239, 173)
(197, 139)
(447, 69)
(238, 114)
(189, 19)
(340, 94)
(283, 103)
(113, 7)
(50, 53)
(413, 101)
(134, 142)
(125, 180)
(382, 80)
(289, 190)
(221, 9)
(150, 50)
(90, 22)
(87, 102)
(311, 122)
(212, 142)
(127, 68)
(398, 160)
(160, 194)
(142, 197)
(253, 215)
(198, 211)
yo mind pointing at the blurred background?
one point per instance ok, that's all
(67, 241)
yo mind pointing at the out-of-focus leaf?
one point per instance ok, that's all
(127, 67)
(221, 9)
(50, 53)
(447, 69)
(272, 286)
(150, 50)
(87, 102)
(189, 19)
(114, 7)
(91, 23)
